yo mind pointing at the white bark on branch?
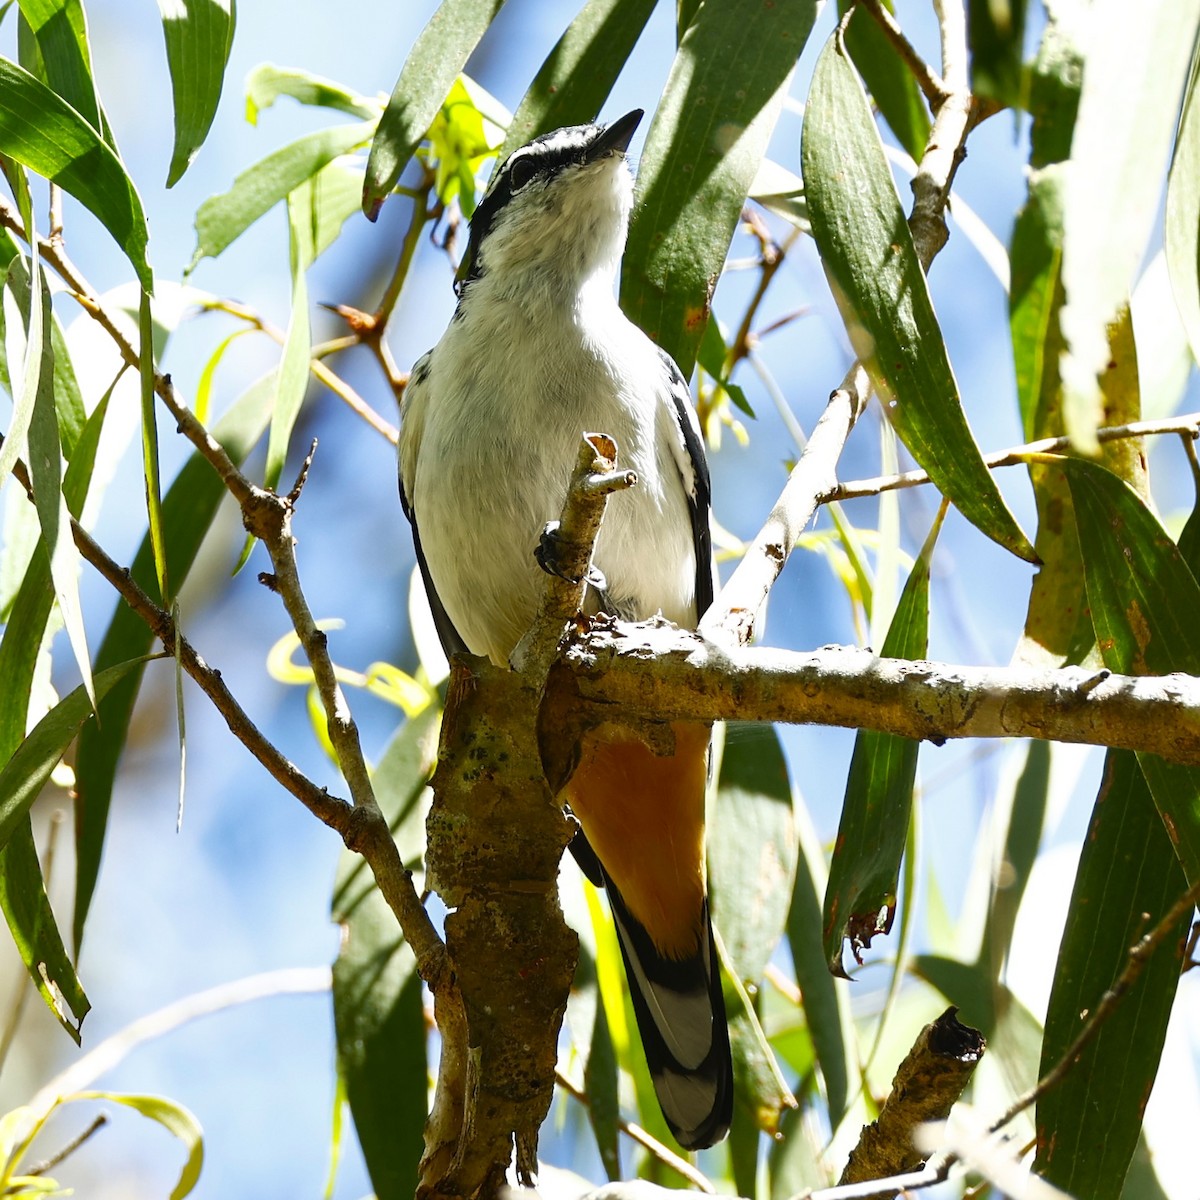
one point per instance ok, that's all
(654, 671)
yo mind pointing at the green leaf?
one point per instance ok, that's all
(757, 1082)
(41, 130)
(1137, 66)
(1144, 601)
(888, 79)
(222, 219)
(996, 33)
(59, 28)
(702, 152)
(752, 848)
(22, 892)
(572, 84)
(868, 252)
(188, 511)
(712, 355)
(1128, 875)
(175, 1119)
(150, 471)
(1054, 87)
(378, 1012)
(291, 381)
(267, 82)
(1022, 839)
(1181, 233)
(438, 55)
(24, 775)
(35, 932)
(45, 450)
(199, 35)
(860, 899)
(827, 1022)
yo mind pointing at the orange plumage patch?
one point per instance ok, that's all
(644, 817)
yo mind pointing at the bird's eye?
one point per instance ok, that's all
(521, 172)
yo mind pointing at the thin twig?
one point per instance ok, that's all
(98, 1122)
(320, 371)
(928, 80)
(56, 215)
(1139, 956)
(647, 1141)
(1187, 425)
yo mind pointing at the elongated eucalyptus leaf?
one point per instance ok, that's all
(827, 1023)
(41, 130)
(222, 219)
(199, 35)
(437, 56)
(1128, 875)
(702, 152)
(26, 772)
(868, 252)
(267, 82)
(752, 848)
(572, 84)
(888, 79)
(291, 381)
(1137, 66)
(1182, 226)
(860, 899)
(150, 472)
(996, 33)
(176, 1120)
(59, 28)
(1144, 601)
(188, 511)
(22, 893)
(378, 1013)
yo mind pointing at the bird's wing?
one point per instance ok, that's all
(688, 448)
(415, 399)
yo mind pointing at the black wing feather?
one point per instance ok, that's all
(700, 496)
(450, 638)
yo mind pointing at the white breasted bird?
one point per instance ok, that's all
(537, 353)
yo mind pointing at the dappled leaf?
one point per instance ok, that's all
(1128, 876)
(702, 152)
(1137, 65)
(996, 34)
(752, 848)
(1144, 601)
(1181, 231)
(868, 252)
(438, 55)
(572, 84)
(860, 899)
(888, 79)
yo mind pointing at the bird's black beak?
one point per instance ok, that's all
(615, 136)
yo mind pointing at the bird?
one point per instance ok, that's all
(538, 351)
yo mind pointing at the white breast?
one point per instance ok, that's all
(488, 445)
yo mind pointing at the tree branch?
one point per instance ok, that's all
(655, 671)
(928, 80)
(1187, 425)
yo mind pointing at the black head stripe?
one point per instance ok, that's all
(548, 154)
